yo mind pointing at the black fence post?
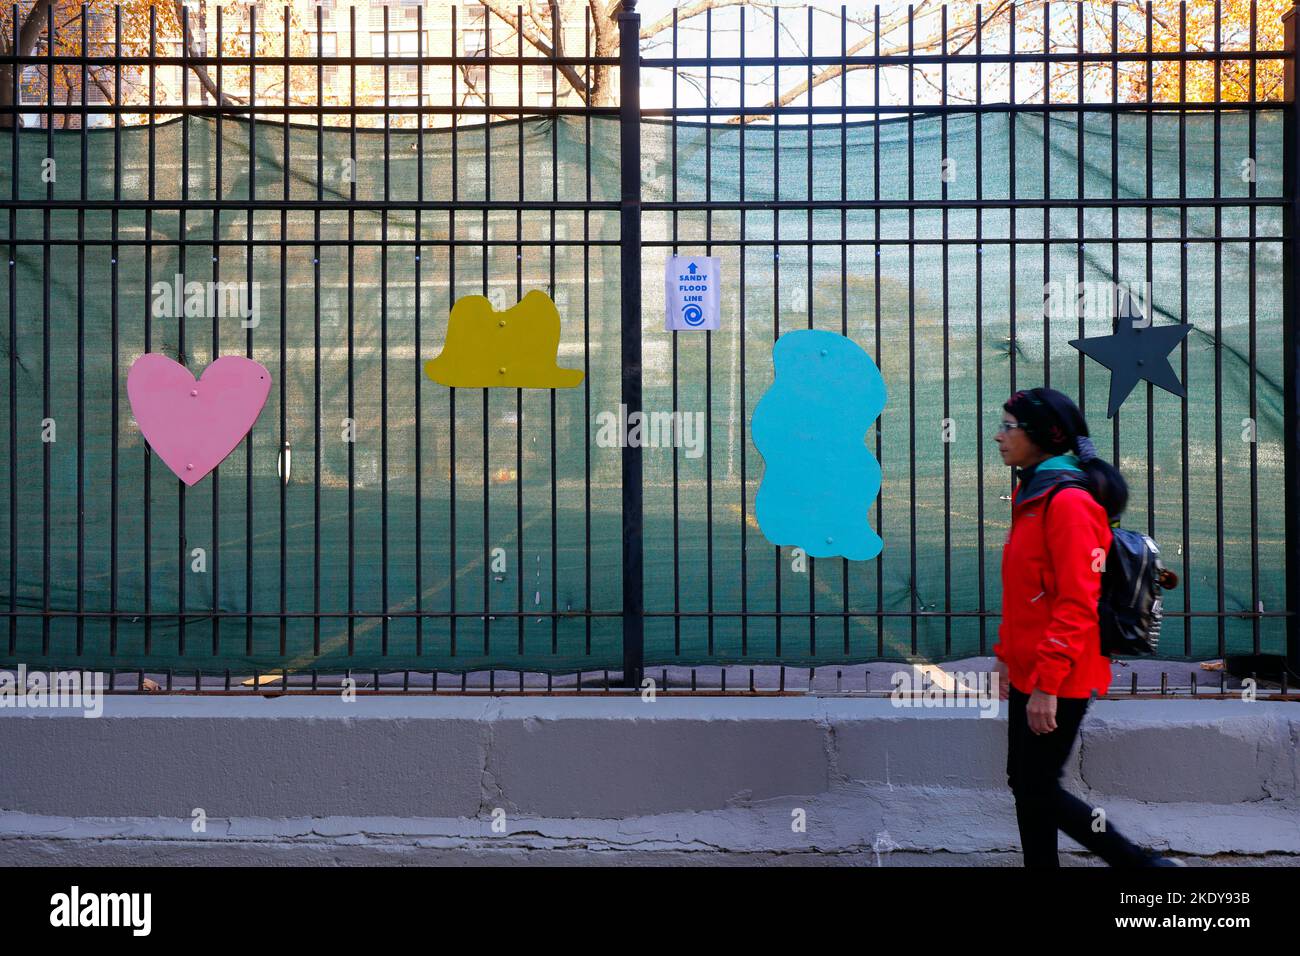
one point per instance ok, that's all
(629, 32)
(1291, 340)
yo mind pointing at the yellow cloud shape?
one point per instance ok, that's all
(512, 349)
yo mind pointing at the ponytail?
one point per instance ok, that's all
(1105, 482)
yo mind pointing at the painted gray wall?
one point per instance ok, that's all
(293, 778)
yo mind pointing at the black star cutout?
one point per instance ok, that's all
(1133, 353)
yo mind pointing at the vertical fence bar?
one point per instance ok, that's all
(708, 335)
(81, 354)
(629, 30)
(1081, 226)
(1218, 327)
(844, 246)
(383, 348)
(418, 529)
(13, 352)
(219, 120)
(743, 255)
(1012, 119)
(1252, 316)
(943, 251)
(586, 340)
(1114, 195)
(808, 307)
(556, 26)
(182, 565)
(486, 264)
(283, 456)
(979, 321)
(911, 322)
(249, 251)
(519, 295)
(1185, 578)
(1150, 276)
(879, 357)
(677, 526)
(1291, 340)
(776, 259)
(351, 348)
(1047, 190)
(46, 305)
(451, 392)
(115, 348)
(148, 339)
(316, 364)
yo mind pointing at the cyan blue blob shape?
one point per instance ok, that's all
(810, 427)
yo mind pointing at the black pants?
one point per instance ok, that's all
(1034, 766)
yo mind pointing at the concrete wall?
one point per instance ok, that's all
(391, 779)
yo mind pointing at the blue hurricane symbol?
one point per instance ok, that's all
(692, 314)
(819, 478)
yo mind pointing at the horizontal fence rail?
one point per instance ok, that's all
(935, 188)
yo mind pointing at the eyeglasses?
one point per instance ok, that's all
(1004, 427)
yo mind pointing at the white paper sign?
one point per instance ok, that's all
(691, 285)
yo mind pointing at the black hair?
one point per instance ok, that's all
(1054, 424)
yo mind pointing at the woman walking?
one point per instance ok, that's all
(1049, 646)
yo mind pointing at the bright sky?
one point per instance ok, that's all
(827, 39)
(693, 41)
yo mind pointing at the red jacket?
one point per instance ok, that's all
(1049, 636)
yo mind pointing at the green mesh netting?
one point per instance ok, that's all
(541, 465)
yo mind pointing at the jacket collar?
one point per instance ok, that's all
(1037, 479)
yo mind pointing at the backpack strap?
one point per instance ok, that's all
(1061, 486)
(1051, 492)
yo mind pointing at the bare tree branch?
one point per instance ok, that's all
(103, 87)
(696, 9)
(964, 35)
(220, 96)
(539, 42)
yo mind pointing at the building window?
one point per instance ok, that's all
(473, 31)
(474, 43)
(404, 43)
(33, 85)
(377, 16)
(327, 14)
(328, 47)
(399, 18)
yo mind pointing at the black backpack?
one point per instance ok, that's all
(1129, 610)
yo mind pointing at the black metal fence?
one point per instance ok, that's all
(926, 226)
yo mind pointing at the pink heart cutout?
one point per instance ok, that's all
(193, 425)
